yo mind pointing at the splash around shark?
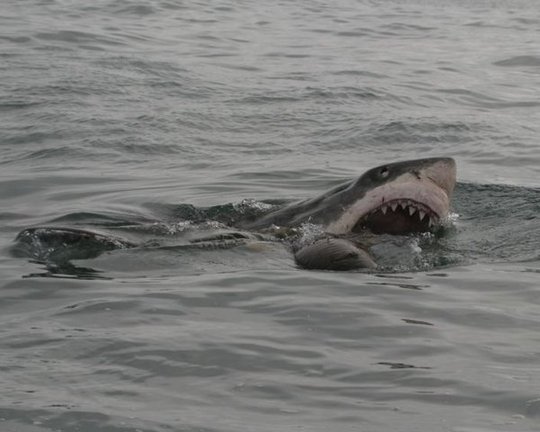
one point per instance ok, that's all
(399, 198)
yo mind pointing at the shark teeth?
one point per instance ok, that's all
(410, 207)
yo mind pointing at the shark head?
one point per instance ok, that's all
(397, 198)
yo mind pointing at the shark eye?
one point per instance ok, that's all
(384, 172)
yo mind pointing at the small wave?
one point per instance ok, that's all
(76, 37)
(472, 98)
(524, 60)
(16, 39)
(363, 73)
(18, 104)
(135, 9)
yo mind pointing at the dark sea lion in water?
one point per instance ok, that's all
(398, 198)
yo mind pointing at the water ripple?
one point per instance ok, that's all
(114, 112)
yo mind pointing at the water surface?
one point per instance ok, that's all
(124, 110)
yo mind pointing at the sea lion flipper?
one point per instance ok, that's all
(333, 254)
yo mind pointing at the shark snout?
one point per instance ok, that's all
(442, 172)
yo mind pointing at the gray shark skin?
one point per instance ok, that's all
(427, 184)
(397, 198)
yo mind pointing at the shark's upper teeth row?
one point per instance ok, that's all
(412, 207)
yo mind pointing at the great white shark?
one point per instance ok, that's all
(396, 198)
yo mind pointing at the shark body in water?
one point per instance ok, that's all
(398, 198)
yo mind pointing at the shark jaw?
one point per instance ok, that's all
(414, 201)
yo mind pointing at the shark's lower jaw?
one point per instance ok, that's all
(399, 216)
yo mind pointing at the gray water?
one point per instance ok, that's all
(120, 113)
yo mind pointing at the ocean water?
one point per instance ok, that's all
(129, 115)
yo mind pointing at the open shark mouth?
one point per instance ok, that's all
(397, 198)
(415, 199)
(399, 216)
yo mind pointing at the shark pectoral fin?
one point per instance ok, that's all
(333, 254)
